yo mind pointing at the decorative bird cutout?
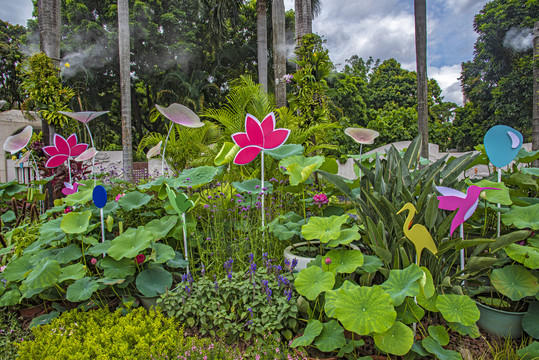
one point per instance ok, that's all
(417, 234)
(71, 189)
(502, 144)
(466, 204)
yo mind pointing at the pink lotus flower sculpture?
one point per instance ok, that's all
(70, 189)
(258, 136)
(63, 150)
(16, 143)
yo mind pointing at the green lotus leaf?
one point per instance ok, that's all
(152, 282)
(346, 237)
(344, 261)
(44, 319)
(172, 198)
(67, 254)
(331, 337)
(397, 340)
(530, 322)
(312, 281)
(495, 196)
(523, 180)
(526, 255)
(525, 156)
(163, 252)
(530, 352)
(50, 229)
(99, 249)
(402, 283)
(226, 154)
(196, 177)
(159, 228)
(178, 261)
(439, 333)
(427, 284)
(154, 185)
(10, 298)
(434, 348)
(458, 308)
(183, 203)
(44, 274)
(252, 186)
(300, 167)
(526, 217)
(472, 331)
(75, 222)
(81, 290)
(8, 216)
(134, 200)
(18, 269)
(285, 151)
(365, 309)
(117, 269)
(286, 231)
(81, 197)
(130, 243)
(371, 263)
(313, 329)
(323, 228)
(72, 272)
(530, 171)
(409, 312)
(331, 297)
(299, 174)
(514, 281)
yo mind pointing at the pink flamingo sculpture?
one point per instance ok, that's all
(466, 204)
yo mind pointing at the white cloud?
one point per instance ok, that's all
(447, 78)
(16, 12)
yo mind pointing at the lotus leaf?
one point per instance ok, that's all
(75, 222)
(196, 177)
(525, 156)
(134, 200)
(81, 290)
(312, 330)
(472, 331)
(331, 337)
(530, 171)
(458, 308)
(81, 197)
(18, 269)
(365, 309)
(434, 348)
(312, 281)
(344, 261)
(10, 298)
(67, 254)
(130, 243)
(300, 167)
(99, 249)
(331, 297)
(526, 255)
(44, 319)
(427, 284)
(371, 263)
(323, 228)
(72, 272)
(178, 261)
(346, 237)
(495, 196)
(117, 269)
(226, 154)
(514, 281)
(529, 321)
(159, 228)
(402, 283)
(285, 151)
(439, 333)
(252, 186)
(163, 252)
(526, 217)
(44, 274)
(153, 185)
(398, 340)
(530, 352)
(409, 312)
(152, 282)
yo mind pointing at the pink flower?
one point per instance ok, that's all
(140, 258)
(257, 137)
(63, 149)
(93, 261)
(118, 197)
(327, 261)
(67, 210)
(320, 199)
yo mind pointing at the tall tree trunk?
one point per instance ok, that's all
(262, 42)
(125, 88)
(535, 132)
(420, 10)
(279, 51)
(304, 19)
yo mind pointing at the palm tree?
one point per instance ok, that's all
(125, 88)
(420, 10)
(262, 42)
(279, 51)
(306, 11)
(535, 131)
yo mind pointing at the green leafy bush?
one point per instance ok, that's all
(100, 334)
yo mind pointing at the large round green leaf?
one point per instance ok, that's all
(177, 261)
(331, 337)
(226, 154)
(81, 290)
(81, 197)
(67, 254)
(252, 186)
(75, 222)
(134, 200)
(522, 217)
(300, 167)
(409, 312)
(530, 352)
(458, 308)
(72, 272)
(526, 255)
(471, 331)
(345, 237)
(402, 283)
(434, 348)
(159, 228)
(152, 282)
(196, 177)
(323, 228)
(313, 329)
(439, 333)
(365, 309)
(530, 321)
(344, 261)
(163, 252)
(312, 281)
(514, 281)
(130, 243)
(495, 196)
(100, 248)
(427, 284)
(18, 269)
(331, 297)
(398, 340)
(285, 151)
(117, 269)
(44, 274)
(10, 298)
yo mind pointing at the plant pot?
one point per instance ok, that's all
(303, 261)
(501, 323)
(148, 302)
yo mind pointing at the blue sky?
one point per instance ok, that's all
(378, 28)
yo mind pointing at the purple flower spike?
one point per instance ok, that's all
(83, 116)
(180, 114)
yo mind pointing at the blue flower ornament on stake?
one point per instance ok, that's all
(99, 196)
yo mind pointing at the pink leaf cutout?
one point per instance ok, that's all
(56, 161)
(247, 154)
(16, 143)
(83, 116)
(180, 114)
(254, 131)
(241, 139)
(362, 136)
(268, 124)
(87, 155)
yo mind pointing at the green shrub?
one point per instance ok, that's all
(100, 334)
(11, 333)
